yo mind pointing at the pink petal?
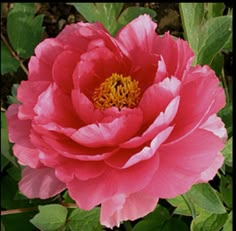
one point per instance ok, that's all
(55, 106)
(19, 133)
(138, 34)
(160, 95)
(126, 207)
(210, 172)
(28, 93)
(112, 182)
(216, 125)
(109, 133)
(125, 158)
(169, 48)
(198, 96)
(183, 162)
(40, 183)
(63, 69)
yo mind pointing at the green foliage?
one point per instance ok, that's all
(227, 152)
(84, 220)
(110, 15)
(12, 98)
(24, 30)
(8, 62)
(226, 190)
(50, 217)
(228, 226)
(206, 197)
(206, 30)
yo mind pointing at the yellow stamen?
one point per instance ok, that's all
(117, 91)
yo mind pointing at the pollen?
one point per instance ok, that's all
(117, 91)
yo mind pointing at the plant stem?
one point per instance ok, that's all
(14, 55)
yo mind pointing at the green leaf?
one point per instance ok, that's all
(4, 162)
(208, 221)
(2, 227)
(228, 226)
(192, 15)
(8, 63)
(85, 220)
(132, 12)
(106, 13)
(181, 206)
(13, 97)
(217, 64)
(5, 145)
(226, 189)
(176, 223)
(214, 9)
(24, 30)
(153, 221)
(204, 196)
(228, 152)
(226, 115)
(214, 35)
(50, 217)
(67, 198)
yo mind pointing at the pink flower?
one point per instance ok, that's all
(118, 121)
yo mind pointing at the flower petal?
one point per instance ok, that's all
(40, 183)
(126, 207)
(109, 133)
(182, 163)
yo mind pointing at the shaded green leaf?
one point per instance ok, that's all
(228, 152)
(228, 226)
(12, 98)
(132, 12)
(226, 115)
(50, 217)
(208, 221)
(153, 221)
(206, 197)
(226, 189)
(19, 221)
(24, 30)
(4, 162)
(8, 63)
(85, 220)
(215, 33)
(217, 64)
(175, 223)
(5, 145)
(67, 198)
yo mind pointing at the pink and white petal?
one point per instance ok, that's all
(138, 34)
(54, 105)
(181, 163)
(169, 48)
(126, 207)
(112, 182)
(124, 158)
(110, 133)
(63, 69)
(216, 125)
(159, 124)
(160, 95)
(210, 173)
(28, 93)
(82, 170)
(40, 183)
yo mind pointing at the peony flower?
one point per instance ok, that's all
(118, 121)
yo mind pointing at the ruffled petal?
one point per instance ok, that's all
(109, 133)
(126, 207)
(40, 183)
(183, 162)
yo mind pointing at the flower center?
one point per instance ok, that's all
(117, 91)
